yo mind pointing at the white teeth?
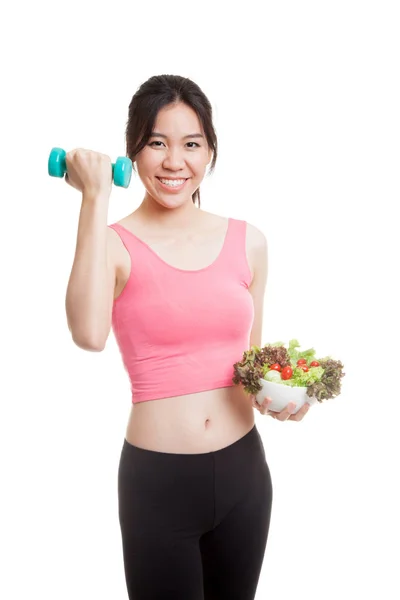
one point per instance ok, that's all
(174, 183)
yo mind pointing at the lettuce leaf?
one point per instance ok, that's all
(295, 353)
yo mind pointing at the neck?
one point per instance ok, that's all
(183, 216)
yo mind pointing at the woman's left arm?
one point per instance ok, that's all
(257, 251)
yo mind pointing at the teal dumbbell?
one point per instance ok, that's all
(121, 170)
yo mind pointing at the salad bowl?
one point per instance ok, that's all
(282, 395)
(288, 374)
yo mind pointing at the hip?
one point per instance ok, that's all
(191, 493)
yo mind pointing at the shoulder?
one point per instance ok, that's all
(255, 236)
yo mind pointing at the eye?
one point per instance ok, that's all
(158, 142)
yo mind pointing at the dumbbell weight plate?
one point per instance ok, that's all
(57, 166)
(122, 171)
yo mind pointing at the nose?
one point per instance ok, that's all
(174, 160)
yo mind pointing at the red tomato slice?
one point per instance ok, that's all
(287, 372)
(314, 363)
(276, 367)
(302, 361)
(304, 368)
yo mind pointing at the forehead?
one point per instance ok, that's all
(178, 118)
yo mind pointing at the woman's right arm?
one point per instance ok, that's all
(90, 291)
(91, 285)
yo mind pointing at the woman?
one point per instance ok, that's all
(183, 290)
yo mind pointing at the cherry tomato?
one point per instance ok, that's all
(304, 368)
(276, 367)
(314, 363)
(302, 361)
(287, 372)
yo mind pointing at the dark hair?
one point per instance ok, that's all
(154, 94)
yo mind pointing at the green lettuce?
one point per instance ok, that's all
(295, 353)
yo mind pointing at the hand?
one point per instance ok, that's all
(285, 415)
(89, 172)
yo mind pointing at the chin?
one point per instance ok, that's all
(174, 202)
(171, 199)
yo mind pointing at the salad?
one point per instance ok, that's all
(289, 366)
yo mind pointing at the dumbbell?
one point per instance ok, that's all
(121, 170)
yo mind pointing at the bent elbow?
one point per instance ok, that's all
(89, 345)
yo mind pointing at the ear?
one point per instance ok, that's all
(210, 153)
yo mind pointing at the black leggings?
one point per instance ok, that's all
(194, 526)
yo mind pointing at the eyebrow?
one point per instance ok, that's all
(191, 135)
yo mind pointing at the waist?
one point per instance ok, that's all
(192, 423)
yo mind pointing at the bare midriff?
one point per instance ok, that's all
(193, 423)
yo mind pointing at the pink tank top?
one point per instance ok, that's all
(180, 331)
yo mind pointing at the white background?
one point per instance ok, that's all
(306, 105)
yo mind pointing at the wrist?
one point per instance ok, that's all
(95, 197)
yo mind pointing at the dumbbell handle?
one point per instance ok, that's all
(57, 167)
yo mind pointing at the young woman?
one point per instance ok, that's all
(183, 290)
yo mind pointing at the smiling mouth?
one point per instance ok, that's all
(173, 183)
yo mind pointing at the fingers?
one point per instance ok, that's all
(300, 413)
(285, 415)
(262, 408)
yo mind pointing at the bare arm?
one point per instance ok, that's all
(258, 285)
(90, 290)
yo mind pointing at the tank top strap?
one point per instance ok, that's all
(120, 230)
(234, 255)
(128, 239)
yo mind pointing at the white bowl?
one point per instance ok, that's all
(282, 395)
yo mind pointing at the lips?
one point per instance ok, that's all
(173, 178)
